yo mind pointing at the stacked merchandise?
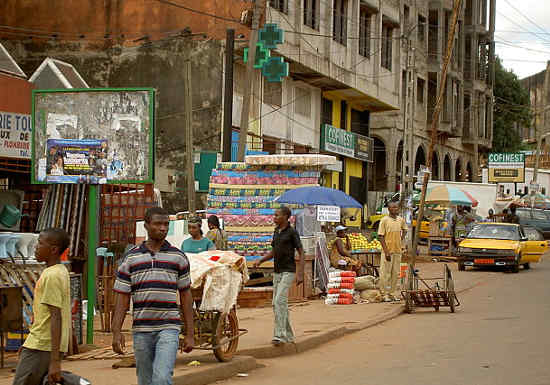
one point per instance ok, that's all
(341, 286)
(244, 194)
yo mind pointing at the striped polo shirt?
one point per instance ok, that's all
(153, 280)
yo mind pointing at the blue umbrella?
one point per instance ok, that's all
(318, 196)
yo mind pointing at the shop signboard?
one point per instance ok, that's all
(15, 135)
(337, 141)
(506, 168)
(328, 214)
(346, 143)
(93, 136)
(364, 148)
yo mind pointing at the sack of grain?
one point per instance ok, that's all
(371, 295)
(367, 282)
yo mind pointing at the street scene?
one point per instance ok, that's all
(306, 192)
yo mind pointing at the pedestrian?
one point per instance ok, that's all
(286, 242)
(216, 235)
(153, 274)
(197, 243)
(491, 217)
(48, 338)
(391, 232)
(512, 217)
(459, 225)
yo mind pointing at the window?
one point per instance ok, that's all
(364, 33)
(273, 93)
(420, 84)
(311, 13)
(279, 5)
(406, 16)
(421, 28)
(340, 21)
(539, 216)
(302, 104)
(387, 43)
(533, 234)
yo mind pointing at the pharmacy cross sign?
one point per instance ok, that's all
(274, 69)
(271, 35)
(262, 54)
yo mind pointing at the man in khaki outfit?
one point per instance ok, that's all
(391, 232)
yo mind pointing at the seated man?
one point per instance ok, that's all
(340, 255)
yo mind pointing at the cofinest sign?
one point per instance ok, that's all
(507, 168)
(346, 143)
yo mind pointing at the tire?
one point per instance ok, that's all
(461, 266)
(515, 268)
(526, 266)
(228, 326)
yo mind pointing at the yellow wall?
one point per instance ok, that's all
(353, 167)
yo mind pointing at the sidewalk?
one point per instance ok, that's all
(314, 324)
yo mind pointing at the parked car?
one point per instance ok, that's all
(501, 244)
(535, 218)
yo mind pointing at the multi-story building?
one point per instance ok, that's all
(538, 86)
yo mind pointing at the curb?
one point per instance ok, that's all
(311, 342)
(217, 371)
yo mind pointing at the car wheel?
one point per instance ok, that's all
(526, 266)
(461, 266)
(515, 268)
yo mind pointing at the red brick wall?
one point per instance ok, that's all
(95, 18)
(15, 94)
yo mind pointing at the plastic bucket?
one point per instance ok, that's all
(403, 270)
(9, 216)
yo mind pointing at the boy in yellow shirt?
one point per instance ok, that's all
(49, 334)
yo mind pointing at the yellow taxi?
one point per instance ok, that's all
(501, 244)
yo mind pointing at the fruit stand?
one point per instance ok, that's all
(368, 252)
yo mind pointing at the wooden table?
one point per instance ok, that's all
(368, 259)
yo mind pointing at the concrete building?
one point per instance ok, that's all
(538, 86)
(466, 119)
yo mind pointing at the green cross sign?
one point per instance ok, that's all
(271, 35)
(274, 69)
(262, 54)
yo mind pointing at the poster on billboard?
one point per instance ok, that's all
(506, 168)
(15, 135)
(93, 136)
(76, 161)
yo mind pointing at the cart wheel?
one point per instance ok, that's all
(452, 302)
(436, 308)
(228, 326)
(408, 303)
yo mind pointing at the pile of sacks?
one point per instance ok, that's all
(341, 288)
(367, 286)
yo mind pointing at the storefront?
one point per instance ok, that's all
(339, 135)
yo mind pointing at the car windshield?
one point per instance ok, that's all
(494, 231)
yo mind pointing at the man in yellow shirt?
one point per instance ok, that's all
(391, 232)
(49, 334)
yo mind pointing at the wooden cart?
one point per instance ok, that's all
(442, 293)
(214, 330)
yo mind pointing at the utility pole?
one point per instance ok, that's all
(259, 6)
(188, 107)
(435, 124)
(228, 95)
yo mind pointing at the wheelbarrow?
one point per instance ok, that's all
(441, 293)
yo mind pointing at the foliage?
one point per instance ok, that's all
(511, 109)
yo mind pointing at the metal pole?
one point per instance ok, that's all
(259, 6)
(188, 107)
(92, 245)
(435, 123)
(228, 95)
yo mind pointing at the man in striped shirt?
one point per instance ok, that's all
(153, 274)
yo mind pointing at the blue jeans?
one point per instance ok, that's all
(155, 354)
(281, 284)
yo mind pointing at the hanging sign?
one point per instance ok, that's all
(328, 213)
(506, 168)
(15, 135)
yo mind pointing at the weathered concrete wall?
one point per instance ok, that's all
(158, 65)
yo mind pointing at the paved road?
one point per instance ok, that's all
(500, 335)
